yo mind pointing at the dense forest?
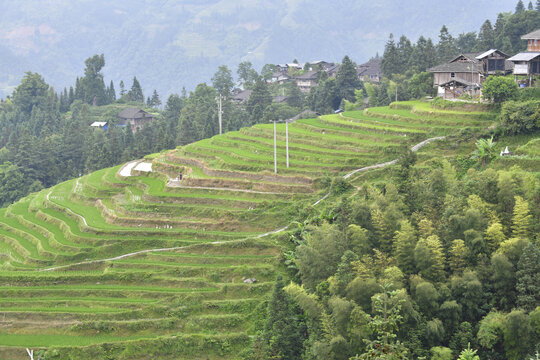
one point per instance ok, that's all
(438, 260)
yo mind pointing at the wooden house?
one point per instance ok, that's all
(134, 117)
(465, 73)
(527, 64)
(306, 81)
(370, 71)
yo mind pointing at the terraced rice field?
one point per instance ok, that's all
(147, 267)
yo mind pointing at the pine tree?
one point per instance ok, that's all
(155, 100)
(446, 47)
(122, 88)
(283, 331)
(136, 93)
(347, 79)
(390, 61)
(295, 98)
(537, 5)
(404, 49)
(530, 7)
(520, 7)
(486, 37)
(528, 278)
(521, 220)
(112, 93)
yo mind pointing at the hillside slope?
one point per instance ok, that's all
(129, 264)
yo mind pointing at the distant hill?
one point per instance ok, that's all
(170, 44)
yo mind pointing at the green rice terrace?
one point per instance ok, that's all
(131, 263)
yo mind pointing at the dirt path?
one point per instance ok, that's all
(366, 168)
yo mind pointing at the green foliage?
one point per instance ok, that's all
(528, 277)
(485, 150)
(520, 117)
(499, 89)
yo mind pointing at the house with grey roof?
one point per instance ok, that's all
(466, 72)
(241, 96)
(307, 80)
(134, 117)
(527, 64)
(370, 71)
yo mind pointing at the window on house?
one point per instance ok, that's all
(453, 75)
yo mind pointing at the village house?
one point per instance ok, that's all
(134, 117)
(307, 80)
(527, 64)
(466, 73)
(370, 71)
(241, 96)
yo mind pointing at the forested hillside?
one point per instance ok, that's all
(170, 44)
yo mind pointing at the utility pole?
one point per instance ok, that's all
(275, 149)
(220, 113)
(287, 140)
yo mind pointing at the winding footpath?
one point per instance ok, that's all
(126, 169)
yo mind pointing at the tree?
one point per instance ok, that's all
(429, 258)
(385, 325)
(538, 5)
(486, 37)
(198, 119)
(458, 256)
(122, 88)
(390, 61)
(92, 83)
(155, 101)
(136, 93)
(446, 48)
(404, 49)
(284, 329)
(295, 98)
(222, 81)
(521, 220)
(347, 80)
(528, 278)
(466, 42)
(420, 85)
(517, 335)
(247, 76)
(319, 257)
(530, 6)
(499, 89)
(31, 92)
(485, 150)
(520, 7)
(111, 93)
(468, 354)
(259, 99)
(405, 242)
(520, 116)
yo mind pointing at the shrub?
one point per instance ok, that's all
(500, 89)
(520, 117)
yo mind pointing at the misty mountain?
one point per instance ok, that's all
(170, 44)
